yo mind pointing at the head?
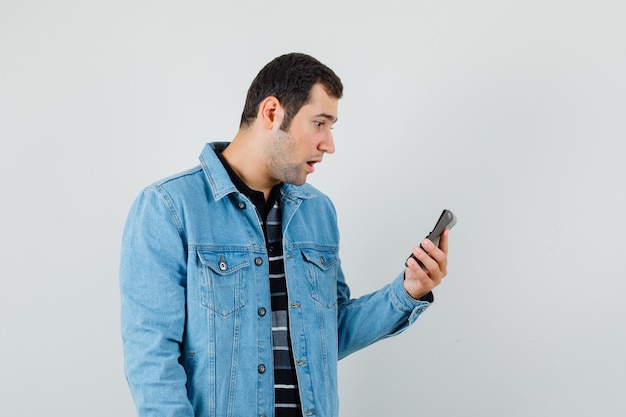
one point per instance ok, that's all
(290, 78)
(291, 155)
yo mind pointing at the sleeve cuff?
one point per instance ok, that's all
(404, 302)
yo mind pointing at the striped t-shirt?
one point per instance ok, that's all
(286, 397)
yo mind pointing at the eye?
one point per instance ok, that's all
(318, 123)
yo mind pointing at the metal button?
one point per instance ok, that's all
(262, 369)
(241, 205)
(322, 260)
(258, 261)
(262, 312)
(222, 265)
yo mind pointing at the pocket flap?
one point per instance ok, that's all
(322, 259)
(223, 263)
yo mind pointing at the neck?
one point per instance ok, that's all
(246, 158)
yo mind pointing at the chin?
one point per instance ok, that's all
(296, 181)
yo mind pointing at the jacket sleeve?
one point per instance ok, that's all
(152, 288)
(373, 317)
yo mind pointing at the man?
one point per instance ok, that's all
(233, 298)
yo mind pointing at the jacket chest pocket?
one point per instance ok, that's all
(222, 285)
(321, 271)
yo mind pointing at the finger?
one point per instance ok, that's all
(437, 263)
(415, 265)
(428, 264)
(417, 275)
(411, 256)
(434, 252)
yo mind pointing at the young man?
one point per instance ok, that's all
(233, 298)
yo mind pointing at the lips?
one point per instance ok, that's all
(311, 164)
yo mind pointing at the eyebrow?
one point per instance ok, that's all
(327, 116)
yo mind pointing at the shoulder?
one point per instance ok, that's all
(178, 179)
(181, 185)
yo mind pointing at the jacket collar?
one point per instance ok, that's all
(220, 182)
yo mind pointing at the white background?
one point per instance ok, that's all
(509, 113)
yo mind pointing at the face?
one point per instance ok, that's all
(292, 154)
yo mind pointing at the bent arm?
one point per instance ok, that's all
(373, 317)
(152, 287)
(393, 308)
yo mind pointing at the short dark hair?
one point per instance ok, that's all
(289, 78)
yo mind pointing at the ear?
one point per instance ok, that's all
(270, 112)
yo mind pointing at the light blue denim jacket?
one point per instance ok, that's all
(194, 283)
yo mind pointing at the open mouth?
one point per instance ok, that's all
(311, 164)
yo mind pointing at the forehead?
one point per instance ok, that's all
(321, 103)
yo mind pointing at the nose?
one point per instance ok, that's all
(327, 144)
